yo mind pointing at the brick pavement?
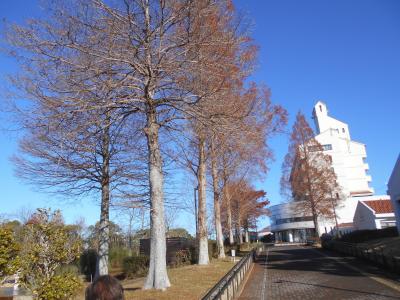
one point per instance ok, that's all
(295, 272)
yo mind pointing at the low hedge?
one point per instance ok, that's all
(133, 265)
(360, 236)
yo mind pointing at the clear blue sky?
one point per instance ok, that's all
(346, 53)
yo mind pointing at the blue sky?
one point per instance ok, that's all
(346, 53)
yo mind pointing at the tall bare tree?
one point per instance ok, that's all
(308, 173)
(146, 52)
(244, 152)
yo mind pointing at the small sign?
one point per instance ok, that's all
(233, 253)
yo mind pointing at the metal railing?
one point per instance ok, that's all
(228, 287)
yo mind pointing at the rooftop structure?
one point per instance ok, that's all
(374, 214)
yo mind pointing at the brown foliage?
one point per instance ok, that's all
(308, 173)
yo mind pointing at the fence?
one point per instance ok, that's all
(228, 287)
(375, 255)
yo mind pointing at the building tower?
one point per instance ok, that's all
(348, 157)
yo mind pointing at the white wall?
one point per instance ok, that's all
(394, 191)
(348, 157)
(291, 210)
(364, 217)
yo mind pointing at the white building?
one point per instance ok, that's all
(374, 214)
(289, 224)
(351, 168)
(348, 157)
(394, 191)
(348, 160)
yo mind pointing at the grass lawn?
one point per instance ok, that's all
(188, 282)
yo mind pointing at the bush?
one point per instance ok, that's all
(117, 256)
(212, 249)
(87, 263)
(269, 238)
(182, 257)
(133, 265)
(193, 254)
(8, 252)
(245, 247)
(59, 287)
(48, 245)
(360, 236)
(68, 269)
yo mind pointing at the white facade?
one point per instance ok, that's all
(349, 164)
(291, 225)
(394, 191)
(348, 157)
(368, 217)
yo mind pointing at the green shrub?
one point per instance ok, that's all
(133, 265)
(68, 269)
(59, 287)
(9, 249)
(117, 256)
(87, 263)
(48, 245)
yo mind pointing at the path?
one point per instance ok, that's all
(296, 272)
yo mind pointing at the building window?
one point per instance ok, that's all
(343, 130)
(292, 220)
(320, 108)
(327, 147)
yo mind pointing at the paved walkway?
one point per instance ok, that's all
(296, 272)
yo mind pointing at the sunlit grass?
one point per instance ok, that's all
(188, 282)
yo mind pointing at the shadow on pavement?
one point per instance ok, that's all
(337, 288)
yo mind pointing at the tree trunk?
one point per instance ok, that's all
(104, 230)
(229, 215)
(316, 224)
(239, 231)
(130, 233)
(246, 236)
(217, 205)
(157, 276)
(201, 177)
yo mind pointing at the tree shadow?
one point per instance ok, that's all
(337, 288)
(305, 259)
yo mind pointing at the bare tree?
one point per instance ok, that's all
(146, 53)
(247, 205)
(101, 74)
(74, 143)
(308, 173)
(243, 150)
